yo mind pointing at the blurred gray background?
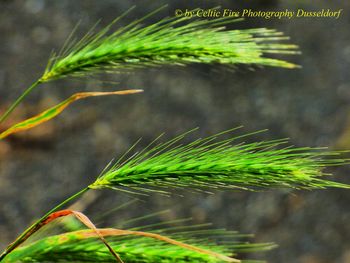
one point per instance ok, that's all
(40, 168)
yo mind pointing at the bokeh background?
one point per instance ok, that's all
(40, 168)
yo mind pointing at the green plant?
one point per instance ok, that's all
(204, 163)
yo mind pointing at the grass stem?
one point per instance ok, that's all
(19, 100)
(29, 230)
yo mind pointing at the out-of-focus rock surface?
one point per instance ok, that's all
(309, 105)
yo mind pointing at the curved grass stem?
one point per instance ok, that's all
(19, 100)
(33, 227)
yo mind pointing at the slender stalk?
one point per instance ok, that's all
(19, 100)
(29, 230)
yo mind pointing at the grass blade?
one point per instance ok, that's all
(56, 110)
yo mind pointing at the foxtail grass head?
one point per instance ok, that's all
(211, 163)
(171, 41)
(166, 242)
